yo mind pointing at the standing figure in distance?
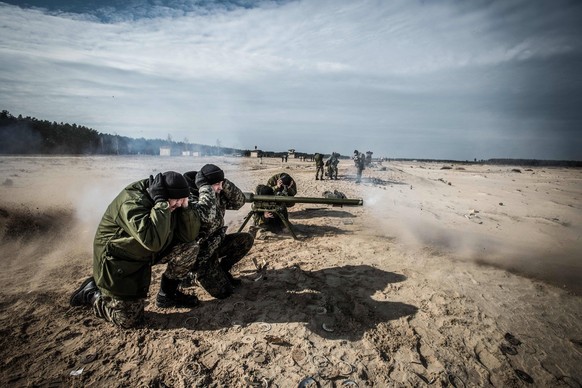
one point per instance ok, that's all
(219, 251)
(331, 164)
(360, 162)
(334, 167)
(148, 223)
(318, 166)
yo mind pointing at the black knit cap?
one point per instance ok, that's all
(285, 178)
(209, 174)
(191, 178)
(264, 190)
(176, 185)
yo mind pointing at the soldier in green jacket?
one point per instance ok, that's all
(283, 184)
(360, 162)
(149, 222)
(278, 184)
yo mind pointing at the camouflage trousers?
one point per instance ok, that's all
(217, 257)
(319, 171)
(359, 174)
(130, 313)
(180, 260)
(123, 313)
(332, 172)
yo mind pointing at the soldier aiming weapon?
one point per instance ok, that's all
(276, 205)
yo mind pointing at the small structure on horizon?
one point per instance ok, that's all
(165, 151)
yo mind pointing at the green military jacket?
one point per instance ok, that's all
(318, 160)
(133, 234)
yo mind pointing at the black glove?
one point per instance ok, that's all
(200, 180)
(157, 188)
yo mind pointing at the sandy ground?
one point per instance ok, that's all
(449, 275)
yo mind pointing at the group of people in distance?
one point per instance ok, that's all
(174, 219)
(331, 165)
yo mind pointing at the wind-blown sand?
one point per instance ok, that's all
(429, 283)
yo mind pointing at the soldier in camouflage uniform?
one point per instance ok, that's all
(332, 165)
(335, 163)
(278, 184)
(219, 251)
(149, 222)
(360, 162)
(283, 184)
(318, 166)
(269, 220)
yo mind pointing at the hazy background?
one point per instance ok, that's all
(415, 79)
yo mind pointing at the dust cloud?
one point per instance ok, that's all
(426, 215)
(50, 210)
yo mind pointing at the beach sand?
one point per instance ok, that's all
(457, 275)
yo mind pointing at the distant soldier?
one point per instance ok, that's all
(334, 165)
(369, 158)
(318, 166)
(331, 163)
(360, 162)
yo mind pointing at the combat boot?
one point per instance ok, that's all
(170, 296)
(86, 294)
(234, 282)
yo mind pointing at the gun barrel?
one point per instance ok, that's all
(251, 197)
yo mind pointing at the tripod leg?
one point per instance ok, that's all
(247, 218)
(287, 224)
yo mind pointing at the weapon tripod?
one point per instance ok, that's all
(276, 211)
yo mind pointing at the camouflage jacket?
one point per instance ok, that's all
(211, 207)
(360, 161)
(332, 161)
(134, 233)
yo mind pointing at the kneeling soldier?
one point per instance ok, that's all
(148, 223)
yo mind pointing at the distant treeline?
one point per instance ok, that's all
(535, 162)
(28, 135)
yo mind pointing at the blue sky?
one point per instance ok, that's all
(404, 78)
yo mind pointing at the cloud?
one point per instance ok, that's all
(370, 71)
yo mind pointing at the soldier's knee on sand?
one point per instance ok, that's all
(217, 285)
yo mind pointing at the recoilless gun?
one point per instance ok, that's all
(276, 203)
